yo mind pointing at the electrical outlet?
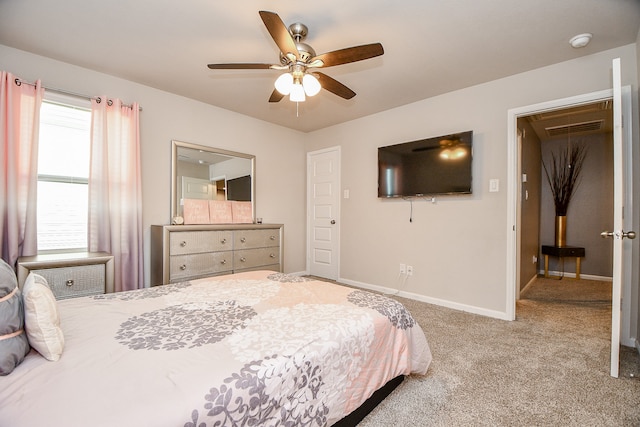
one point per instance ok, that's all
(403, 269)
(409, 270)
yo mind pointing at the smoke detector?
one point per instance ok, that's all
(581, 40)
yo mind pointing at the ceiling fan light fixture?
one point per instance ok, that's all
(284, 83)
(311, 85)
(297, 93)
(453, 153)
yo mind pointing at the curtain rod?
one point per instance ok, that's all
(66, 92)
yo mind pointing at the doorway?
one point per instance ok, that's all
(544, 137)
(515, 261)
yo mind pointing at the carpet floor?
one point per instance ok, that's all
(550, 367)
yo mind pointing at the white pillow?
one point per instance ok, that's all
(41, 318)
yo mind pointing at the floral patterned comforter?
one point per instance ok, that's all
(257, 348)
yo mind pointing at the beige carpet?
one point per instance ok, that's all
(550, 367)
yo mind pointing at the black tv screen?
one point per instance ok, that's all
(427, 167)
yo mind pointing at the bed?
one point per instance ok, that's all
(255, 348)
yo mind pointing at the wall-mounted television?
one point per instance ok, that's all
(427, 167)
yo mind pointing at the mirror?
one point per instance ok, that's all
(201, 172)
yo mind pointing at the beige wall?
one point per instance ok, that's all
(280, 192)
(590, 211)
(458, 246)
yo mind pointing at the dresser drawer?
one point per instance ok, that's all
(247, 239)
(82, 280)
(183, 252)
(250, 258)
(192, 242)
(189, 266)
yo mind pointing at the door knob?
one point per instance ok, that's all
(333, 221)
(620, 235)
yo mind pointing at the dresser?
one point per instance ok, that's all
(185, 252)
(71, 275)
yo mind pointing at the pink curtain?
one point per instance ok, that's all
(19, 123)
(115, 197)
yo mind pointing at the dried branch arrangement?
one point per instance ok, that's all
(563, 175)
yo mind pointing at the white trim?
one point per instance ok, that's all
(529, 283)
(435, 301)
(554, 274)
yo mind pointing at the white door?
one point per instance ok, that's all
(620, 246)
(323, 212)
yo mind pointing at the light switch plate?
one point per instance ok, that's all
(494, 185)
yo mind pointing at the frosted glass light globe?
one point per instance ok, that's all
(311, 85)
(284, 83)
(297, 93)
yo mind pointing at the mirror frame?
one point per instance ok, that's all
(175, 145)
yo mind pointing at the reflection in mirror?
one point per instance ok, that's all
(205, 173)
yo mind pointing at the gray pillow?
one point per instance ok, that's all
(14, 344)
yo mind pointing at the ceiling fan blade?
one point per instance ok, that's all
(334, 86)
(275, 96)
(240, 66)
(279, 33)
(350, 54)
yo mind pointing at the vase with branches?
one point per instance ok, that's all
(563, 175)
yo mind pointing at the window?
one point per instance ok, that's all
(63, 173)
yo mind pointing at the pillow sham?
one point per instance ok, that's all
(14, 345)
(41, 317)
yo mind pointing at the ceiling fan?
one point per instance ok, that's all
(300, 61)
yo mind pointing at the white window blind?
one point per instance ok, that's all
(63, 172)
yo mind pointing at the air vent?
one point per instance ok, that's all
(575, 128)
(596, 107)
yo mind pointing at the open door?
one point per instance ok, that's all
(618, 235)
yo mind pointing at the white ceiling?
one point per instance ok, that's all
(431, 46)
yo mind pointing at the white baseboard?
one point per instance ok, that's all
(529, 283)
(429, 300)
(573, 275)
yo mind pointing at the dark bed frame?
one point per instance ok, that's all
(363, 410)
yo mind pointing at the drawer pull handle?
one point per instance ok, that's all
(272, 255)
(223, 241)
(183, 267)
(69, 282)
(183, 243)
(243, 239)
(224, 261)
(272, 237)
(243, 259)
